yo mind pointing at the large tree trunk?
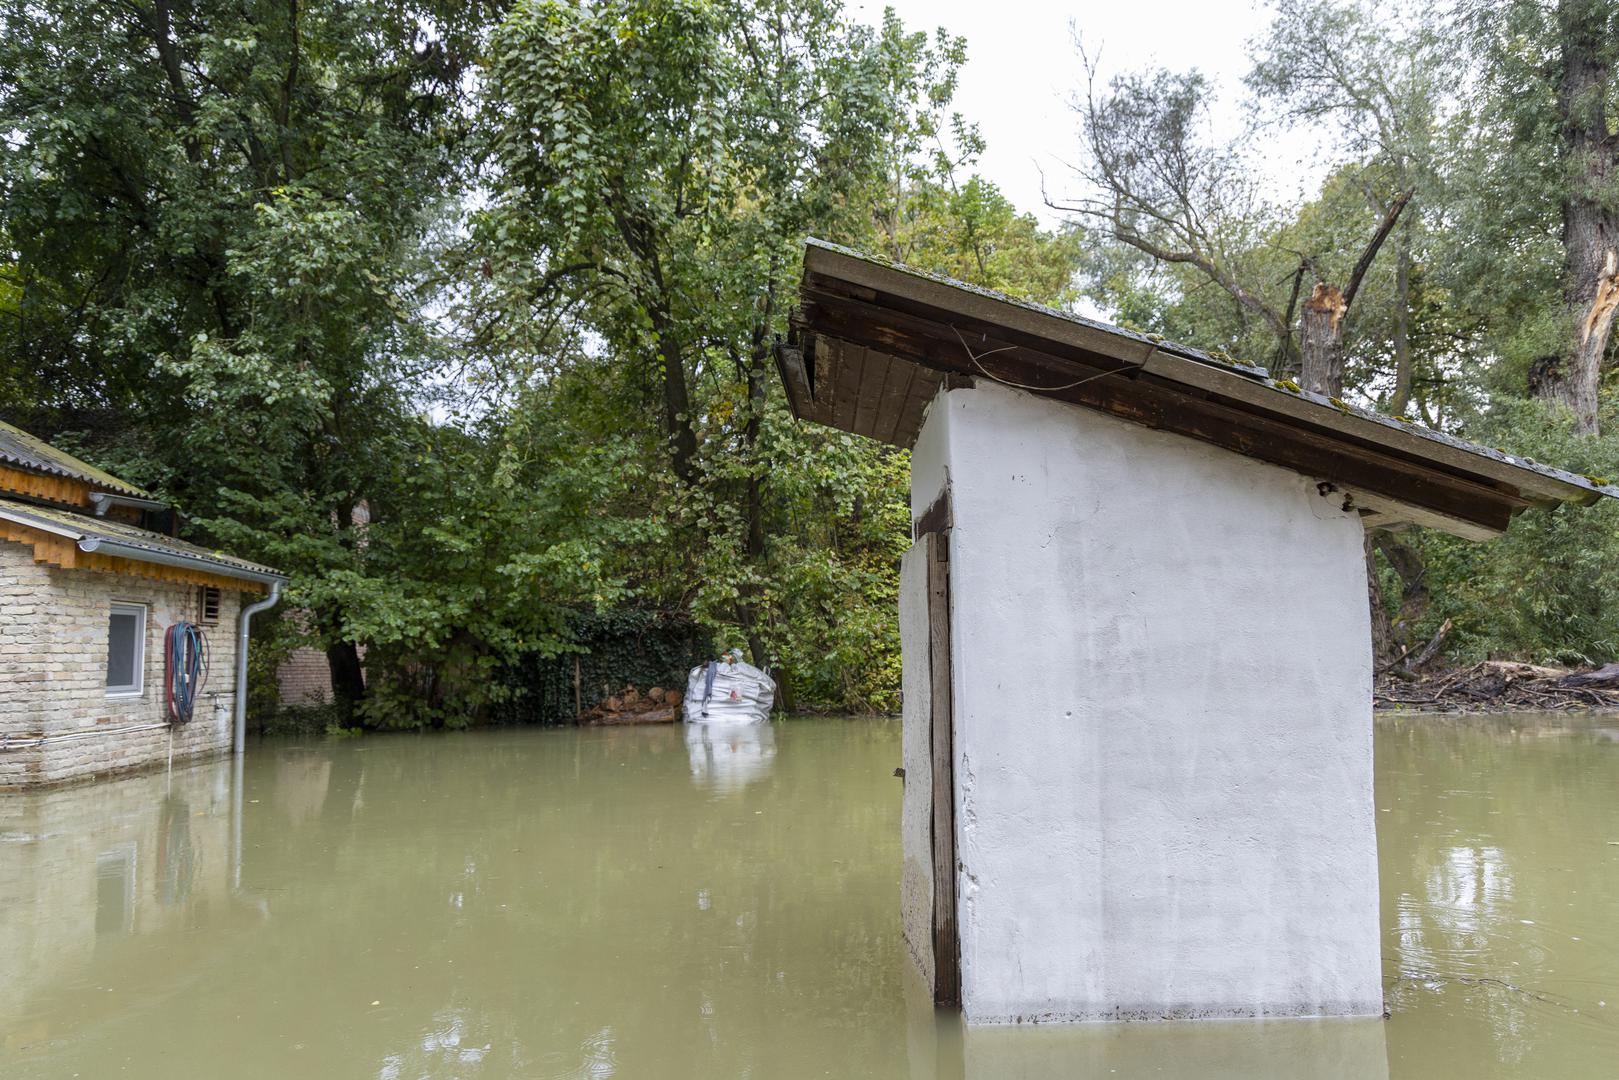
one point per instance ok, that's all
(1321, 340)
(1321, 320)
(348, 678)
(1414, 595)
(677, 424)
(1590, 228)
(1382, 636)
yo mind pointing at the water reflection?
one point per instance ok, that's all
(728, 757)
(92, 876)
(1502, 955)
(940, 1047)
(683, 903)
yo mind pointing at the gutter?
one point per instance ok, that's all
(141, 553)
(243, 632)
(106, 500)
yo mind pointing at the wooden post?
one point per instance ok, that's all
(946, 947)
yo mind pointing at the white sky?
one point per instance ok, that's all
(1022, 69)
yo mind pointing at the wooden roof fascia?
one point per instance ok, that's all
(921, 338)
(915, 339)
(826, 263)
(62, 490)
(1453, 504)
(1435, 450)
(794, 376)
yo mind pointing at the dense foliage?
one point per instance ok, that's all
(463, 311)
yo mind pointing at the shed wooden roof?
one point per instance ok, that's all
(874, 341)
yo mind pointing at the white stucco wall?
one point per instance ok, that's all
(57, 722)
(1163, 728)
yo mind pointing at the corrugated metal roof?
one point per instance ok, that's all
(24, 451)
(131, 541)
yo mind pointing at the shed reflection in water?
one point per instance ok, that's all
(717, 902)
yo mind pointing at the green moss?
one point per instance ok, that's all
(1341, 405)
(1599, 481)
(1287, 384)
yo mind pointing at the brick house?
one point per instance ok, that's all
(91, 580)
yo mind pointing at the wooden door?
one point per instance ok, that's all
(928, 817)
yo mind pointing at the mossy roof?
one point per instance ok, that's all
(32, 454)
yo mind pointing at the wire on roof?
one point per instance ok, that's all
(975, 358)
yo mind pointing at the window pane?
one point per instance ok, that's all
(123, 649)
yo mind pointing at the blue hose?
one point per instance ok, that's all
(185, 656)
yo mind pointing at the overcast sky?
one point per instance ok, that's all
(1022, 69)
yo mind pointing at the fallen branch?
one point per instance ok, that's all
(1494, 686)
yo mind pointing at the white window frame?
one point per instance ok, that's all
(125, 607)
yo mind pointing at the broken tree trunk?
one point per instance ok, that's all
(1321, 340)
(1590, 152)
(1321, 319)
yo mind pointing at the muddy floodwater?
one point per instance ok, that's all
(670, 903)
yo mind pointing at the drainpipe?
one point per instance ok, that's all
(243, 631)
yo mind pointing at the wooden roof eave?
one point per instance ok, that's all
(1394, 472)
(827, 265)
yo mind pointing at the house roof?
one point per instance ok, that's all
(24, 451)
(875, 341)
(126, 541)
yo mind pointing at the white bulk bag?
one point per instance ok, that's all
(728, 691)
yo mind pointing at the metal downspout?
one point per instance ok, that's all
(243, 632)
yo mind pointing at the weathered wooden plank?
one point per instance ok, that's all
(946, 939)
(977, 307)
(897, 390)
(851, 368)
(873, 377)
(935, 520)
(790, 366)
(828, 358)
(924, 387)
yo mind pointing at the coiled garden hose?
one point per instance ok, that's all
(185, 667)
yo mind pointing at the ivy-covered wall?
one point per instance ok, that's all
(615, 649)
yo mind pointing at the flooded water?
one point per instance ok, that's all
(661, 903)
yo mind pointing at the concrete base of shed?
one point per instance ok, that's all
(1162, 732)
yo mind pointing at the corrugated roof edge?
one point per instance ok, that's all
(65, 464)
(1259, 375)
(79, 528)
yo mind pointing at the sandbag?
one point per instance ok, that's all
(728, 691)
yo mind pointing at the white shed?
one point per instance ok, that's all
(1137, 672)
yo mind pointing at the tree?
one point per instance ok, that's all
(1152, 180)
(1551, 75)
(216, 214)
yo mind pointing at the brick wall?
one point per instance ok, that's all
(53, 673)
(304, 678)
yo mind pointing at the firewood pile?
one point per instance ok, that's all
(1501, 686)
(630, 706)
